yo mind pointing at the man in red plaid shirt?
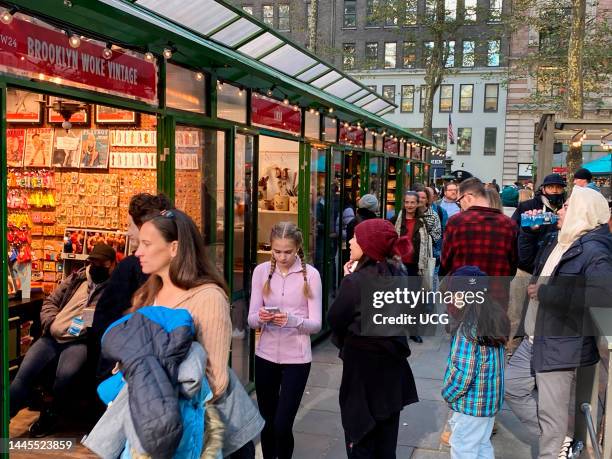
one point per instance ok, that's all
(479, 235)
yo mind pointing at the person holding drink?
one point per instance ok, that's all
(286, 307)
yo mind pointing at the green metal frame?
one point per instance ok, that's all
(4, 310)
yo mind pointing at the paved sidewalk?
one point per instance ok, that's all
(318, 429)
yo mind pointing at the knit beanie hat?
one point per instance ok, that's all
(583, 174)
(377, 238)
(369, 202)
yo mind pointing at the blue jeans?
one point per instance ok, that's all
(471, 437)
(70, 358)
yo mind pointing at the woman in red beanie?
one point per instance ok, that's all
(377, 381)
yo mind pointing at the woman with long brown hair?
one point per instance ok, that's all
(286, 306)
(173, 254)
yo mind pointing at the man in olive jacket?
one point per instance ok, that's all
(64, 325)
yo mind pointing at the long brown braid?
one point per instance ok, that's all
(287, 230)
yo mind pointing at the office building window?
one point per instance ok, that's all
(268, 15)
(390, 55)
(450, 56)
(470, 10)
(409, 55)
(350, 13)
(411, 12)
(490, 141)
(427, 50)
(491, 97)
(373, 13)
(391, 19)
(388, 93)
(493, 53)
(348, 56)
(450, 10)
(423, 97)
(248, 9)
(464, 141)
(371, 55)
(439, 136)
(407, 103)
(466, 98)
(430, 10)
(467, 60)
(446, 98)
(284, 15)
(495, 10)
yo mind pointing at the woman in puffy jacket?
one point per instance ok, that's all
(173, 254)
(286, 307)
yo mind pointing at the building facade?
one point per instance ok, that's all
(388, 52)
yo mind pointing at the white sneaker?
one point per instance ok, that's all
(238, 334)
(566, 448)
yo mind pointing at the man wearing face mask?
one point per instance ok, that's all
(549, 198)
(64, 324)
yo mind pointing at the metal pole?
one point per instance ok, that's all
(586, 409)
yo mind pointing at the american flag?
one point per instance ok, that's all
(450, 133)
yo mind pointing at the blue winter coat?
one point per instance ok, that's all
(150, 344)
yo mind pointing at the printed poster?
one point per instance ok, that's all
(94, 148)
(15, 146)
(67, 148)
(38, 148)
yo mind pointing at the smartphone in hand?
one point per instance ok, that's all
(272, 310)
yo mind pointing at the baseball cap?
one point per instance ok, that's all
(102, 252)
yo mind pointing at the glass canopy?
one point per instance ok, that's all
(235, 29)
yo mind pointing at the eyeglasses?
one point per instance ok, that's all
(461, 197)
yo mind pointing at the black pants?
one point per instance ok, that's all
(246, 452)
(379, 443)
(279, 390)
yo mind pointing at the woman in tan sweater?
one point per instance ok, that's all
(181, 275)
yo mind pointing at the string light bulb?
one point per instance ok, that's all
(107, 52)
(167, 53)
(286, 101)
(199, 76)
(312, 111)
(149, 57)
(7, 17)
(74, 41)
(331, 110)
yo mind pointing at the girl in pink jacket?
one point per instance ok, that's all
(286, 306)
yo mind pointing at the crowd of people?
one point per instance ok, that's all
(164, 312)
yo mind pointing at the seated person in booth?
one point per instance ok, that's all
(64, 322)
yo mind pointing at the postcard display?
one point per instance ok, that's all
(189, 144)
(68, 190)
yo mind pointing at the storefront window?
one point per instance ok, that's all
(185, 90)
(231, 103)
(369, 141)
(312, 127)
(277, 190)
(69, 187)
(199, 184)
(330, 132)
(243, 215)
(376, 174)
(317, 209)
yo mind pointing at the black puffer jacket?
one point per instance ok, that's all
(150, 345)
(580, 281)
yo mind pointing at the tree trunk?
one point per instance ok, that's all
(575, 87)
(312, 26)
(434, 71)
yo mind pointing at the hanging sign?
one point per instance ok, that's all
(351, 135)
(391, 146)
(43, 53)
(271, 113)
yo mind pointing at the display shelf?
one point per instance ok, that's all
(265, 211)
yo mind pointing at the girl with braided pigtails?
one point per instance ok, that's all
(286, 306)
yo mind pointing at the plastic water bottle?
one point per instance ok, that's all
(526, 220)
